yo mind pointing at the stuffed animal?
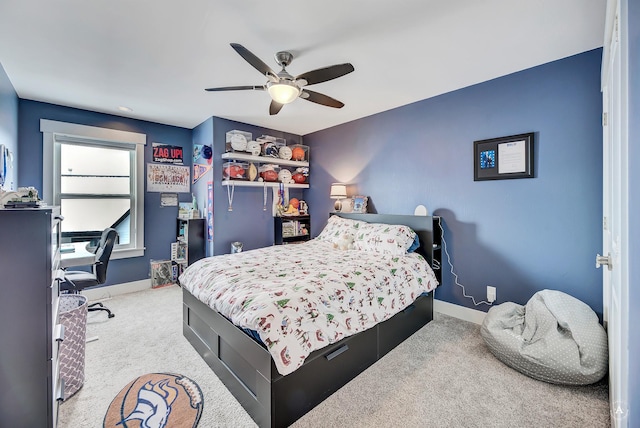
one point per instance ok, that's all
(291, 210)
(345, 242)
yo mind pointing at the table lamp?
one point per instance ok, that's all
(338, 192)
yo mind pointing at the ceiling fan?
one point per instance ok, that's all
(283, 87)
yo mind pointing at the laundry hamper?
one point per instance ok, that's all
(73, 316)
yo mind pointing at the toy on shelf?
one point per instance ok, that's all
(269, 173)
(292, 208)
(303, 208)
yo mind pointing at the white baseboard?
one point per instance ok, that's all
(104, 293)
(457, 311)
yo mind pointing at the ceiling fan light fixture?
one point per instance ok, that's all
(284, 88)
(283, 92)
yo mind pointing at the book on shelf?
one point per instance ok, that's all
(178, 251)
(182, 229)
(176, 270)
(291, 228)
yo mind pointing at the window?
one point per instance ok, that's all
(96, 176)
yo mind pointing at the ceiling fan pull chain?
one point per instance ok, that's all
(230, 195)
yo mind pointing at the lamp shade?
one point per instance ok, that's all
(338, 191)
(283, 92)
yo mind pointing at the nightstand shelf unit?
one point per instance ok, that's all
(291, 229)
(190, 243)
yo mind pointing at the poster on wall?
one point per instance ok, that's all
(167, 178)
(503, 158)
(165, 153)
(210, 210)
(199, 171)
(169, 200)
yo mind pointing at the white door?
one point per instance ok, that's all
(615, 210)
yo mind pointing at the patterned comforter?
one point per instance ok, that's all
(303, 297)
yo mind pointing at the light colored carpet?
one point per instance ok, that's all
(443, 376)
(145, 336)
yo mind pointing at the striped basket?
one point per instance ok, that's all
(73, 316)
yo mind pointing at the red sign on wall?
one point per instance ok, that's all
(165, 153)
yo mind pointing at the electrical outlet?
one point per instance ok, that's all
(491, 294)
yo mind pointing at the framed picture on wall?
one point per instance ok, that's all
(503, 158)
(359, 204)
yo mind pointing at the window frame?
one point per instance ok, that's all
(55, 133)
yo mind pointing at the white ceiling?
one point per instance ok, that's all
(157, 56)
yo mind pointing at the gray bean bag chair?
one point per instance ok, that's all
(555, 338)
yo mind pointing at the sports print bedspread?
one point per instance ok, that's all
(303, 297)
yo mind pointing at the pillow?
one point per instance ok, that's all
(415, 245)
(337, 227)
(391, 239)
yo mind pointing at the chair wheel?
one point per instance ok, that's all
(111, 315)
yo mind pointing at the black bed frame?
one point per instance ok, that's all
(248, 371)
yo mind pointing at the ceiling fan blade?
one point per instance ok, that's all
(275, 108)
(318, 98)
(327, 73)
(256, 62)
(236, 88)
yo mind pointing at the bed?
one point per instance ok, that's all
(274, 383)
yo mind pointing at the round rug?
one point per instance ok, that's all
(156, 400)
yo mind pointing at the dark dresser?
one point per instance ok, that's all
(30, 334)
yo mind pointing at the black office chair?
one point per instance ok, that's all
(76, 281)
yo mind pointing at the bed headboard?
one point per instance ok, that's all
(427, 228)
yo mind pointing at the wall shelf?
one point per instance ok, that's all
(275, 184)
(263, 159)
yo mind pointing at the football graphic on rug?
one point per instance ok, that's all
(156, 400)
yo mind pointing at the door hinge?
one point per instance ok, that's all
(604, 260)
(604, 119)
(605, 224)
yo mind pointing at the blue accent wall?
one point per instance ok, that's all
(248, 222)
(633, 16)
(9, 126)
(203, 136)
(519, 235)
(160, 222)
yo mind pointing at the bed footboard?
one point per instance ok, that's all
(273, 400)
(240, 363)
